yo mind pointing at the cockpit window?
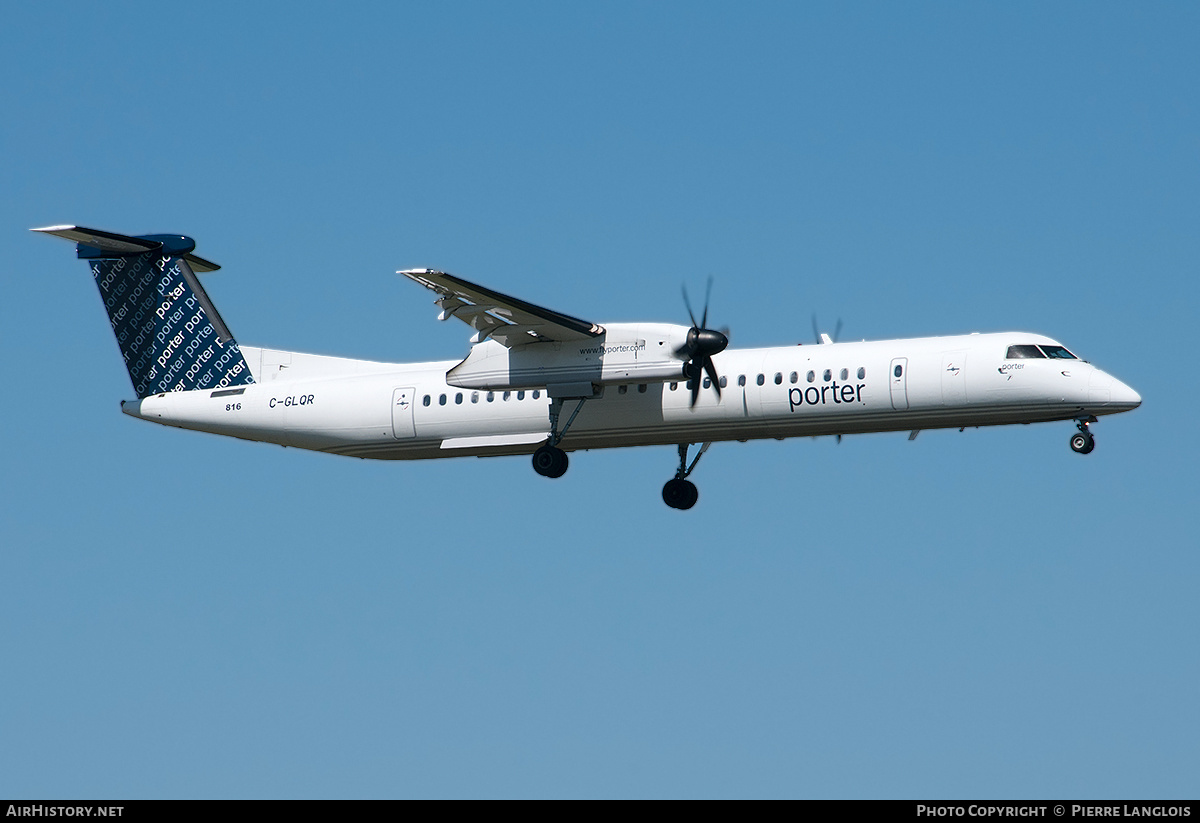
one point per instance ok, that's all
(1024, 352)
(1057, 353)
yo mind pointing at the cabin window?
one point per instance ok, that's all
(425, 400)
(707, 382)
(674, 386)
(474, 397)
(491, 396)
(724, 381)
(741, 379)
(442, 400)
(828, 375)
(506, 395)
(1057, 353)
(690, 384)
(622, 389)
(458, 399)
(761, 379)
(811, 376)
(521, 394)
(862, 373)
(1024, 352)
(778, 378)
(794, 377)
(537, 393)
(641, 388)
(845, 373)
(899, 370)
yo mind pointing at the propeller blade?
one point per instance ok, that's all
(837, 330)
(688, 304)
(711, 370)
(695, 383)
(688, 350)
(707, 294)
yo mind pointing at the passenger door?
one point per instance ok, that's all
(403, 401)
(899, 381)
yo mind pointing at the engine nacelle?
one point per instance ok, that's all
(625, 353)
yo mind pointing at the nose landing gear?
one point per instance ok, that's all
(1082, 441)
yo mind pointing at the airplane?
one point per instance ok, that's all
(539, 382)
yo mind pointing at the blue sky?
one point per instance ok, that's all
(984, 614)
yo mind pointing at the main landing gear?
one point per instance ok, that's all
(1082, 441)
(679, 492)
(549, 460)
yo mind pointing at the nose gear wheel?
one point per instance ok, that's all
(1083, 441)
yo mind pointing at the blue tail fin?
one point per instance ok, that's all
(170, 334)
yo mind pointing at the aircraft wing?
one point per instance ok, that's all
(507, 320)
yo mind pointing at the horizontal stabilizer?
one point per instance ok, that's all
(94, 243)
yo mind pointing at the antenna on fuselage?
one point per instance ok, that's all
(825, 338)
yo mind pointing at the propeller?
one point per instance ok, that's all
(701, 344)
(837, 330)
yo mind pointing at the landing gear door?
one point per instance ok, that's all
(899, 379)
(402, 413)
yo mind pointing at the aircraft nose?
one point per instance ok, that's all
(1124, 397)
(1110, 394)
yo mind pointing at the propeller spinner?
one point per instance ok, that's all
(701, 344)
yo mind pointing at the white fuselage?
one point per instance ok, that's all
(411, 411)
